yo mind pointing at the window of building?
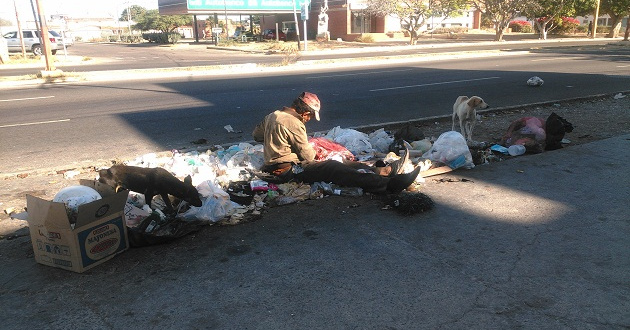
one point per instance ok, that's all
(361, 22)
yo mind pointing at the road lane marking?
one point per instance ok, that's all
(556, 58)
(357, 74)
(36, 123)
(28, 98)
(432, 84)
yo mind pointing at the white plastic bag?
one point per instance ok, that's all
(213, 209)
(380, 140)
(355, 141)
(451, 149)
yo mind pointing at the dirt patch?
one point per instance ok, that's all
(593, 119)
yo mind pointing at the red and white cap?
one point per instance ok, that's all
(312, 101)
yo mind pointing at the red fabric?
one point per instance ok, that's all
(326, 149)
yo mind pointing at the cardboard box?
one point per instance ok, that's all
(99, 234)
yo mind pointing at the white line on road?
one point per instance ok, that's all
(28, 98)
(36, 123)
(555, 58)
(432, 84)
(357, 74)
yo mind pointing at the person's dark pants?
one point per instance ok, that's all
(343, 174)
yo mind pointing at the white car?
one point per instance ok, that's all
(31, 42)
(62, 39)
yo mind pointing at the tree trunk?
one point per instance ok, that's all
(499, 30)
(616, 26)
(542, 29)
(498, 35)
(413, 37)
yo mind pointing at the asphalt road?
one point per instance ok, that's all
(147, 56)
(75, 124)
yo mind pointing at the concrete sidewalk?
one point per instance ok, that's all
(535, 242)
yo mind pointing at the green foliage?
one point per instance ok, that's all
(162, 37)
(499, 12)
(617, 10)
(131, 39)
(615, 7)
(547, 14)
(135, 11)
(152, 20)
(568, 25)
(413, 14)
(584, 7)
(563, 25)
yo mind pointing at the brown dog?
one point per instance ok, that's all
(465, 109)
(150, 182)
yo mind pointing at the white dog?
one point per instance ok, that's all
(465, 109)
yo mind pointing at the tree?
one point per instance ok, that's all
(135, 11)
(548, 14)
(500, 12)
(413, 14)
(152, 20)
(617, 10)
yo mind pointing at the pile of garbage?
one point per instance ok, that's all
(232, 193)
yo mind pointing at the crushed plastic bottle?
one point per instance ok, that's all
(516, 150)
(347, 191)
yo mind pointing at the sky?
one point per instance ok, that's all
(73, 8)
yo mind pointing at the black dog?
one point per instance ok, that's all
(150, 182)
(555, 128)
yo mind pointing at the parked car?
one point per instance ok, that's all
(65, 39)
(31, 42)
(270, 34)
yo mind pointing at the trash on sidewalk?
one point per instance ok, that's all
(516, 150)
(451, 149)
(535, 81)
(526, 131)
(232, 191)
(410, 203)
(97, 235)
(537, 134)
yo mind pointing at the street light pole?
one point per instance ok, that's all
(129, 21)
(595, 20)
(19, 26)
(45, 39)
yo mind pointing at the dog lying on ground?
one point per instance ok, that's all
(465, 109)
(150, 182)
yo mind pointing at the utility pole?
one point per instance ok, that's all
(297, 26)
(45, 39)
(19, 26)
(595, 20)
(129, 20)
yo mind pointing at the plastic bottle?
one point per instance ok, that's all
(516, 150)
(347, 191)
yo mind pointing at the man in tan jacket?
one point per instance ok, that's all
(289, 156)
